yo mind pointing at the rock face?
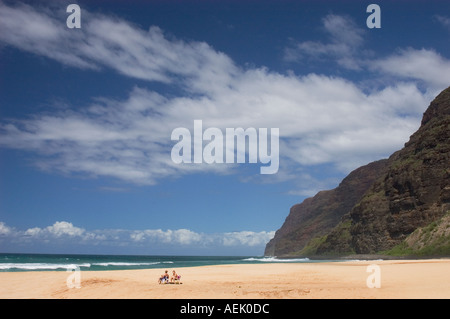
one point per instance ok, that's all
(378, 206)
(317, 216)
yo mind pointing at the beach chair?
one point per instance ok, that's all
(164, 280)
(177, 280)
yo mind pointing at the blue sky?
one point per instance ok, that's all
(86, 114)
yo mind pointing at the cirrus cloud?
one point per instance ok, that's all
(322, 119)
(343, 47)
(425, 65)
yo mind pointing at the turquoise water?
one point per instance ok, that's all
(45, 262)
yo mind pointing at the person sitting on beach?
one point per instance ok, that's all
(164, 278)
(175, 276)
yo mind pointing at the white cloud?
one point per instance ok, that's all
(425, 64)
(4, 230)
(322, 119)
(345, 40)
(66, 233)
(109, 42)
(445, 21)
(179, 236)
(188, 237)
(247, 238)
(57, 230)
(342, 29)
(39, 32)
(345, 47)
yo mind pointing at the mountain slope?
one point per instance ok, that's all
(410, 192)
(318, 215)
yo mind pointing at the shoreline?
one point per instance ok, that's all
(422, 279)
(362, 257)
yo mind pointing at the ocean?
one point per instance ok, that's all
(53, 262)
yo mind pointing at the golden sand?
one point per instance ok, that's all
(398, 279)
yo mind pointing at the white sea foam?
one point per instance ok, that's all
(364, 260)
(68, 266)
(275, 259)
(41, 266)
(113, 263)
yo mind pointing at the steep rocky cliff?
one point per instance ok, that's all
(387, 209)
(316, 216)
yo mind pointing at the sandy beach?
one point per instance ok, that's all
(398, 279)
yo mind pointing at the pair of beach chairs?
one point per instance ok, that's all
(176, 280)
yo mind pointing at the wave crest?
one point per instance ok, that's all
(275, 259)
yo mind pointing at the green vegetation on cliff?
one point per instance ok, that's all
(431, 240)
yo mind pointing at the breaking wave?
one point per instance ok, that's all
(276, 260)
(41, 266)
(120, 264)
